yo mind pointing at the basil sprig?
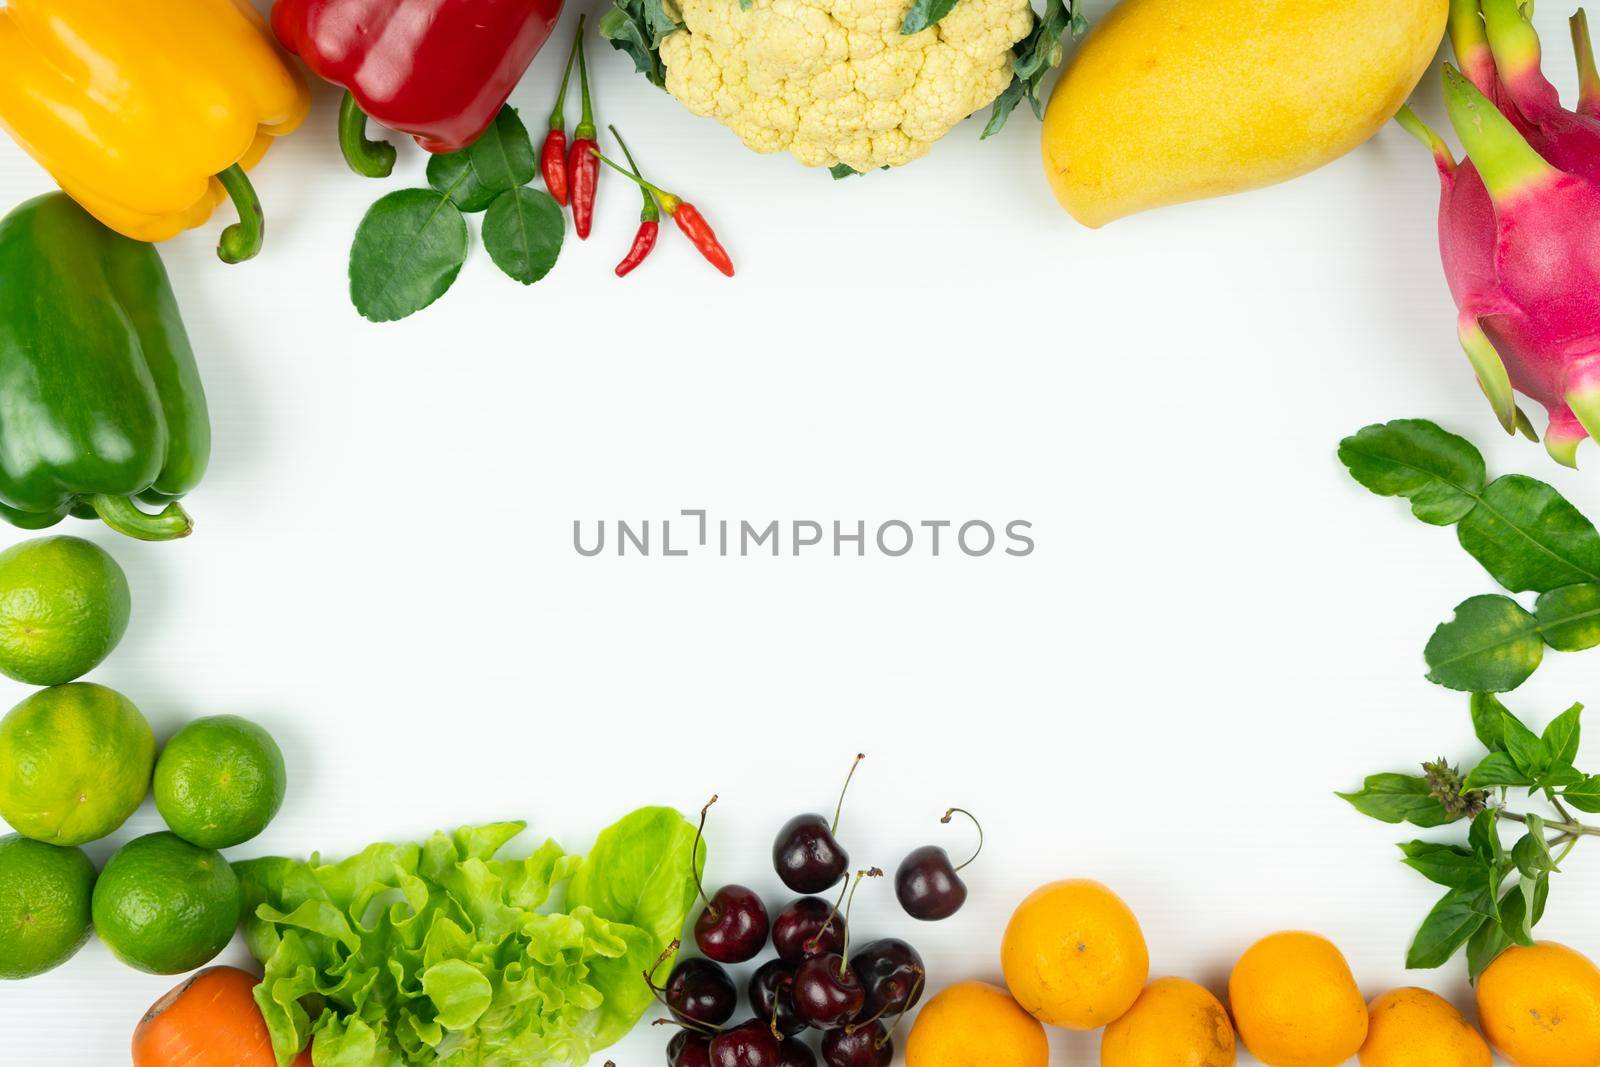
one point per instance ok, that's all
(1494, 896)
(412, 244)
(1525, 534)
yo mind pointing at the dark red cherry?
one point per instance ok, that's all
(806, 854)
(770, 999)
(808, 857)
(892, 974)
(732, 928)
(827, 994)
(750, 1044)
(806, 927)
(792, 1053)
(928, 884)
(864, 1045)
(700, 991)
(688, 1049)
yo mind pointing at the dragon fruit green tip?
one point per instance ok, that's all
(1519, 221)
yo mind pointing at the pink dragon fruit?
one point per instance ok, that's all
(1519, 221)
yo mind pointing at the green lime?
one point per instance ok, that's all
(219, 781)
(166, 906)
(63, 607)
(75, 762)
(44, 905)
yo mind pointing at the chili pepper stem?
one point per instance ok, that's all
(669, 203)
(586, 130)
(558, 116)
(649, 213)
(242, 240)
(368, 158)
(689, 220)
(122, 515)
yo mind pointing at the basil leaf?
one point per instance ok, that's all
(1398, 798)
(523, 232)
(502, 157)
(1531, 853)
(1561, 737)
(1515, 915)
(1559, 777)
(1454, 919)
(1529, 538)
(408, 250)
(452, 175)
(1569, 617)
(1442, 475)
(1491, 645)
(1497, 770)
(1526, 748)
(1584, 796)
(1488, 721)
(1486, 946)
(1484, 838)
(925, 13)
(1448, 865)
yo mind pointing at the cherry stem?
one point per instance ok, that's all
(816, 939)
(888, 1031)
(975, 822)
(694, 856)
(688, 1024)
(839, 810)
(650, 975)
(844, 957)
(911, 998)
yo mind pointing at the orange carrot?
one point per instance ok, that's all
(211, 1020)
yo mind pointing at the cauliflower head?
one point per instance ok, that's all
(835, 81)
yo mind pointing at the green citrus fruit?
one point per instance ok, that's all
(219, 781)
(166, 906)
(44, 905)
(75, 762)
(64, 605)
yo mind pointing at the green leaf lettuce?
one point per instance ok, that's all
(440, 953)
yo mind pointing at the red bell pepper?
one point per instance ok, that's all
(439, 70)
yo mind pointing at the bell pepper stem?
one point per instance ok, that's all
(122, 515)
(368, 158)
(242, 240)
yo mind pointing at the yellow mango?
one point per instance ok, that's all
(1169, 101)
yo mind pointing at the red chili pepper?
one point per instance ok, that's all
(697, 229)
(583, 171)
(553, 156)
(686, 215)
(649, 219)
(644, 242)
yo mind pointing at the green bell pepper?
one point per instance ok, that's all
(100, 399)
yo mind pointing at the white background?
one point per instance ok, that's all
(1217, 630)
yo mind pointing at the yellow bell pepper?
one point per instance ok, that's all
(147, 112)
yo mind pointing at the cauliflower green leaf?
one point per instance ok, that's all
(636, 28)
(1036, 56)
